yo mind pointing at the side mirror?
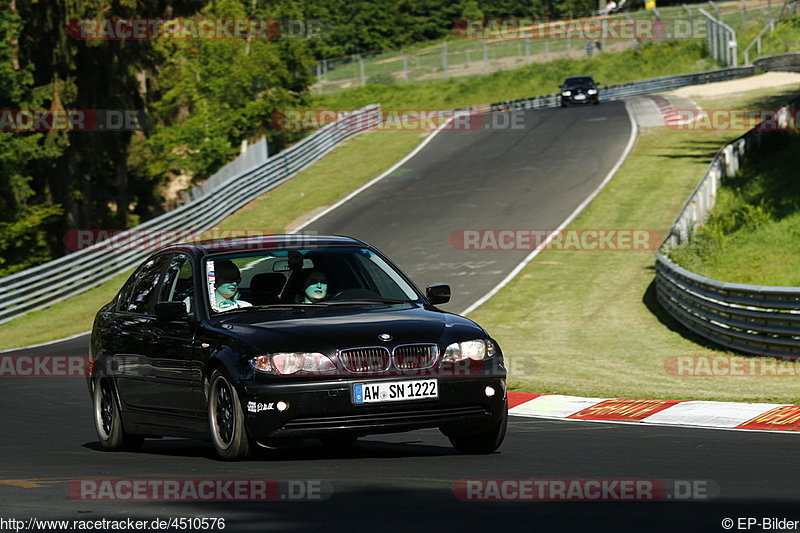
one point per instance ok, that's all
(171, 311)
(438, 294)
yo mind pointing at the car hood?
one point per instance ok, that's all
(335, 329)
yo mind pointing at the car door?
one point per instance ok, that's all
(132, 329)
(178, 368)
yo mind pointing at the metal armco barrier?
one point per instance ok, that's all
(623, 90)
(788, 62)
(78, 272)
(758, 320)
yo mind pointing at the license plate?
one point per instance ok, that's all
(580, 97)
(395, 391)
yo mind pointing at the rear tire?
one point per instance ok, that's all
(226, 419)
(108, 419)
(482, 443)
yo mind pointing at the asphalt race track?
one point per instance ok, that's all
(530, 178)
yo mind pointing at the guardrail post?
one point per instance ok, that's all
(444, 59)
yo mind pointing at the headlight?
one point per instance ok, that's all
(592, 91)
(566, 93)
(476, 350)
(292, 362)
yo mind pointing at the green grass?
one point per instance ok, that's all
(785, 38)
(588, 324)
(752, 233)
(344, 169)
(650, 60)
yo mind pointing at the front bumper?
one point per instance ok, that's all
(590, 99)
(320, 408)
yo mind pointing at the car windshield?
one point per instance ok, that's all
(323, 277)
(578, 82)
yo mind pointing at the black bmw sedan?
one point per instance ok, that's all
(260, 342)
(579, 90)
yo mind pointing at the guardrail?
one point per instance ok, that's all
(761, 320)
(788, 62)
(721, 39)
(623, 90)
(770, 26)
(57, 280)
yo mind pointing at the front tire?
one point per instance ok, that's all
(108, 419)
(482, 443)
(226, 419)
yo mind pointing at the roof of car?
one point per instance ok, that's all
(266, 242)
(577, 77)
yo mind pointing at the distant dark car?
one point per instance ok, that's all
(579, 90)
(262, 341)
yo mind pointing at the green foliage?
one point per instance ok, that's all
(785, 38)
(25, 213)
(757, 216)
(381, 79)
(215, 93)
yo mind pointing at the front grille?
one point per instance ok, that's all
(365, 360)
(416, 418)
(415, 356)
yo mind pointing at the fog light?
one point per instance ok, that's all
(282, 406)
(489, 391)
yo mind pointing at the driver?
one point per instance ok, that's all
(226, 283)
(315, 287)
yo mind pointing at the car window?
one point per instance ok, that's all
(573, 82)
(140, 289)
(178, 282)
(234, 281)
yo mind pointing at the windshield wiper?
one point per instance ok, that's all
(359, 301)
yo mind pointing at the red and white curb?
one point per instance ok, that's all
(670, 115)
(690, 413)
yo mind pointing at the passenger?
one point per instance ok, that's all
(315, 287)
(226, 282)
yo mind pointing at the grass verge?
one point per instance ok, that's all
(334, 176)
(648, 61)
(587, 323)
(752, 233)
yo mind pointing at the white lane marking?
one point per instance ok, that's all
(373, 181)
(569, 219)
(46, 343)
